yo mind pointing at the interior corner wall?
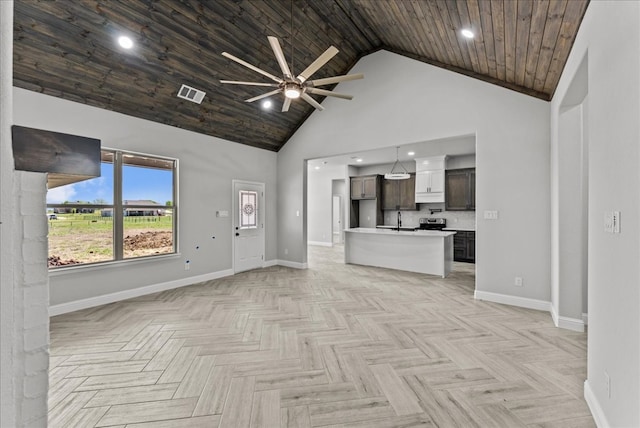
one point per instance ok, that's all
(610, 34)
(404, 101)
(571, 217)
(319, 203)
(207, 166)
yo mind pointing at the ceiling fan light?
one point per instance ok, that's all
(291, 91)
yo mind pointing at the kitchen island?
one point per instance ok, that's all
(423, 251)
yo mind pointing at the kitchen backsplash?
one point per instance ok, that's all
(461, 219)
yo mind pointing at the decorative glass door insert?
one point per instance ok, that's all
(248, 209)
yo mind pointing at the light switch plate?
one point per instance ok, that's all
(608, 222)
(491, 215)
(616, 222)
(222, 213)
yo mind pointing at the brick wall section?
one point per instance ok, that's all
(24, 291)
(32, 298)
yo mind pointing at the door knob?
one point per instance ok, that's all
(237, 234)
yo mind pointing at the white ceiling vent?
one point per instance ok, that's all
(191, 94)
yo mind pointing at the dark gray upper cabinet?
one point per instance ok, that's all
(365, 187)
(460, 189)
(399, 194)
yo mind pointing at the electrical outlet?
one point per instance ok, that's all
(607, 381)
(286, 251)
(518, 281)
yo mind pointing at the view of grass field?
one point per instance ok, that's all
(88, 238)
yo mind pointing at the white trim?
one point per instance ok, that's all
(571, 324)
(523, 302)
(88, 267)
(567, 323)
(270, 263)
(295, 265)
(585, 318)
(76, 305)
(320, 243)
(594, 406)
(554, 315)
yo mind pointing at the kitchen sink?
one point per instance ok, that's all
(404, 229)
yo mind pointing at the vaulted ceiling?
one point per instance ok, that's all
(68, 49)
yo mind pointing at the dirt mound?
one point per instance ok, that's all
(57, 261)
(148, 240)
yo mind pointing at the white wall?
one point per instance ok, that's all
(207, 165)
(24, 291)
(611, 36)
(403, 101)
(319, 200)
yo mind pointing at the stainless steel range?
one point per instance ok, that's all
(430, 223)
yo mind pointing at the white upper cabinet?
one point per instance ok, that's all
(430, 179)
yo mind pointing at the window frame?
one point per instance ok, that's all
(117, 208)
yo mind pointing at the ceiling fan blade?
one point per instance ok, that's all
(252, 67)
(319, 62)
(337, 79)
(311, 101)
(259, 97)
(325, 93)
(234, 82)
(286, 104)
(277, 50)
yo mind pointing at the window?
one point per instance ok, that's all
(130, 211)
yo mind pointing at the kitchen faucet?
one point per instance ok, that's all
(399, 220)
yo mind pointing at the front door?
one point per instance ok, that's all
(248, 225)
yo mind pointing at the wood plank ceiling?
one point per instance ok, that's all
(67, 49)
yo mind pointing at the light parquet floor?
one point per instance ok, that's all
(334, 345)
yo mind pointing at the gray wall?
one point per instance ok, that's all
(320, 192)
(414, 102)
(610, 35)
(207, 165)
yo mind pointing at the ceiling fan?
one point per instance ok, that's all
(295, 86)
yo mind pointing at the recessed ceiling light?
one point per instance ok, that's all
(267, 104)
(411, 153)
(467, 33)
(125, 42)
(359, 160)
(317, 167)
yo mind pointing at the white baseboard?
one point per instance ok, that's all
(270, 263)
(523, 302)
(295, 265)
(594, 406)
(585, 319)
(567, 323)
(571, 324)
(320, 243)
(77, 305)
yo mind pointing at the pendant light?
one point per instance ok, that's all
(397, 175)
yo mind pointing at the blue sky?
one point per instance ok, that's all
(138, 183)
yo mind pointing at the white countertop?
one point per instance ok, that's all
(433, 233)
(461, 229)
